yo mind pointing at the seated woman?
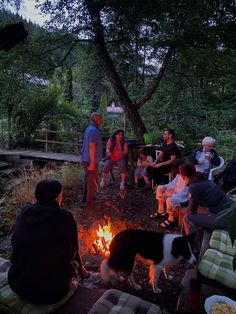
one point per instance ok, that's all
(144, 160)
(116, 151)
(45, 255)
(204, 193)
(205, 157)
(171, 195)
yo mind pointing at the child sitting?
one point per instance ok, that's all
(172, 195)
(144, 160)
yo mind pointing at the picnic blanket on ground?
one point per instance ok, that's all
(12, 304)
(117, 302)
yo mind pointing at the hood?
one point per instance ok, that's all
(33, 214)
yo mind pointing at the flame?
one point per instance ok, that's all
(105, 237)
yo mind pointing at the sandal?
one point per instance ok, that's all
(157, 215)
(167, 223)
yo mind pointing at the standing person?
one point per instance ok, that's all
(168, 152)
(205, 193)
(205, 157)
(116, 151)
(91, 155)
(45, 248)
(144, 160)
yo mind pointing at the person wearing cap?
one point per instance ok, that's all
(205, 157)
(91, 155)
(45, 256)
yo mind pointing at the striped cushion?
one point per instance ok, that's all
(11, 303)
(117, 302)
(221, 241)
(218, 266)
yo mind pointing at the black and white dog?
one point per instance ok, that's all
(162, 250)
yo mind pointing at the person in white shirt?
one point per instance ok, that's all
(205, 157)
(171, 195)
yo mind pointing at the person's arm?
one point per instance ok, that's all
(126, 149)
(108, 148)
(192, 158)
(166, 163)
(92, 151)
(215, 160)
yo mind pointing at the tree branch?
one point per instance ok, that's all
(157, 80)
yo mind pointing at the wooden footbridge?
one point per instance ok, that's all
(38, 155)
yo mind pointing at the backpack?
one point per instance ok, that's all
(228, 176)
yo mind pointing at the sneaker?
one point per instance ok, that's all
(122, 186)
(102, 183)
(93, 278)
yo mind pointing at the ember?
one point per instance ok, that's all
(105, 235)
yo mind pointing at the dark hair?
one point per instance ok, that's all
(172, 132)
(189, 171)
(117, 132)
(47, 191)
(175, 164)
(142, 151)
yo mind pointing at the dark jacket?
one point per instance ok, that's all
(215, 160)
(207, 194)
(44, 242)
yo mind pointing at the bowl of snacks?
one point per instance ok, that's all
(218, 304)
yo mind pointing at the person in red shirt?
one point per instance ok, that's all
(116, 151)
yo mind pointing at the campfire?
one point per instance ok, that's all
(104, 236)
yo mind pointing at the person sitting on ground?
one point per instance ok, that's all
(171, 195)
(116, 151)
(168, 152)
(205, 157)
(205, 193)
(45, 256)
(144, 160)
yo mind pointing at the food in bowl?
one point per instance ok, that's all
(222, 308)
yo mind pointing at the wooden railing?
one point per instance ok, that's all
(76, 139)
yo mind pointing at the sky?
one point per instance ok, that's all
(29, 12)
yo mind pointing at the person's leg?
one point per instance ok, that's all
(145, 177)
(106, 168)
(85, 165)
(92, 184)
(137, 175)
(122, 165)
(162, 193)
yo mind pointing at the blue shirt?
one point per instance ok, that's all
(92, 135)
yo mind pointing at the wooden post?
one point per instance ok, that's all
(46, 141)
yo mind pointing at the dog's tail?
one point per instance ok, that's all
(105, 270)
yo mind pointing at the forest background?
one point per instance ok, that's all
(169, 64)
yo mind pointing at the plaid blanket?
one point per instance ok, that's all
(117, 302)
(12, 304)
(221, 241)
(218, 266)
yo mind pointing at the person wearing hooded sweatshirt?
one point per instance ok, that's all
(45, 248)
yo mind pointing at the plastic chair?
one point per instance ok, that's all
(211, 173)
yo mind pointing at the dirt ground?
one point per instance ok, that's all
(129, 210)
(126, 210)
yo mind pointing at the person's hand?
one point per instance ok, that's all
(153, 164)
(91, 166)
(157, 166)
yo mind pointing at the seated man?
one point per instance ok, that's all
(45, 255)
(171, 195)
(168, 152)
(205, 157)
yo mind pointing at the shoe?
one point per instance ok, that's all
(102, 183)
(122, 186)
(94, 277)
(157, 215)
(167, 223)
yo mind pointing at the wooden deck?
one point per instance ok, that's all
(39, 155)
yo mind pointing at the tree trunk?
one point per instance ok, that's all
(109, 68)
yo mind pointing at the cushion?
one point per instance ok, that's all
(218, 266)
(11, 303)
(114, 302)
(221, 241)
